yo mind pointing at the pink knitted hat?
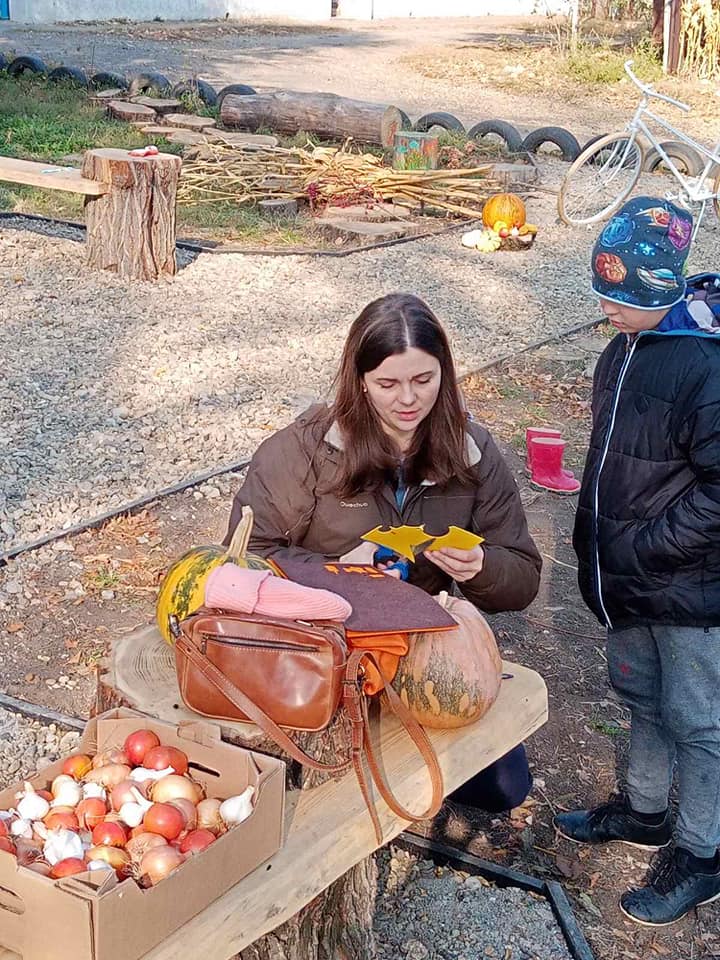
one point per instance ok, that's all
(229, 587)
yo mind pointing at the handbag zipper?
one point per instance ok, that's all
(250, 642)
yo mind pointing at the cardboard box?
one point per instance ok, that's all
(94, 916)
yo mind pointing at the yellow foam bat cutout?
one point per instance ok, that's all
(458, 538)
(405, 541)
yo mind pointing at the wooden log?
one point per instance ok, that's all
(130, 112)
(324, 114)
(188, 121)
(161, 105)
(140, 673)
(337, 923)
(131, 229)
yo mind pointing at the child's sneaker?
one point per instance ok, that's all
(674, 888)
(613, 822)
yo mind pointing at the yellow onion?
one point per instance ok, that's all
(208, 816)
(138, 846)
(108, 757)
(175, 787)
(109, 775)
(159, 863)
(188, 809)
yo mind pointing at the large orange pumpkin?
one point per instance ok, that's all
(451, 678)
(507, 207)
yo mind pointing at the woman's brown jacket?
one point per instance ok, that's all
(296, 518)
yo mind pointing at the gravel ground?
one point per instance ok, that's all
(27, 745)
(424, 912)
(112, 390)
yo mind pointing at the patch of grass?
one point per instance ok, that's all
(50, 121)
(607, 727)
(595, 64)
(104, 578)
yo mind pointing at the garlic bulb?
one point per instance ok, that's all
(236, 809)
(94, 790)
(61, 844)
(470, 239)
(59, 782)
(68, 794)
(31, 805)
(21, 828)
(132, 813)
(143, 773)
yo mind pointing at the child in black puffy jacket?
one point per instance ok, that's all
(647, 536)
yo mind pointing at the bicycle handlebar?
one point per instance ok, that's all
(651, 92)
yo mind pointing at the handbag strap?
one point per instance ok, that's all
(251, 710)
(355, 702)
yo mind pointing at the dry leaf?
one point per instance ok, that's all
(70, 644)
(568, 866)
(15, 626)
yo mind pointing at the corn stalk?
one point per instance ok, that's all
(700, 38)
(325, 175)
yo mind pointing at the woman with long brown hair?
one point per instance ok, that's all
(396, 446)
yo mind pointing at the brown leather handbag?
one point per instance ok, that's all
(291, 675)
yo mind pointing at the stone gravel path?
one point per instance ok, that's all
(112, 390)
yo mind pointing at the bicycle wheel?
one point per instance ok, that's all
(600, 179)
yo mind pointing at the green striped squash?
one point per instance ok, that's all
(182, 591)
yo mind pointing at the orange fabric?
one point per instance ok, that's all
(387, 647)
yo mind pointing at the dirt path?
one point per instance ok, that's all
(475, 68)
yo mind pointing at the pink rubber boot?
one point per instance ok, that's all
(530, 434)
(547, 472)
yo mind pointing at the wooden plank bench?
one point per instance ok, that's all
(129, 206)
(329, 831)
(47, 176)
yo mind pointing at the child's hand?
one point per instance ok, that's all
(461, 565)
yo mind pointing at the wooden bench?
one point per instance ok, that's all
(129, 206)
(330, 836)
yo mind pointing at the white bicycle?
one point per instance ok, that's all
(605, 173)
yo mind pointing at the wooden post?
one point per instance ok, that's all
(140, 673)
(671, 36)
(325, 114)
(131, 229)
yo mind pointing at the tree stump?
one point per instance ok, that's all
(325, 114)
(140, 673)
(131, 229)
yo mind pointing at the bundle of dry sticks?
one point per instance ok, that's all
(223, 172)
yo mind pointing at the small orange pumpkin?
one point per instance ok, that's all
(451, 678)
(507, 207)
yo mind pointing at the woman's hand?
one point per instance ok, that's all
(461, 565)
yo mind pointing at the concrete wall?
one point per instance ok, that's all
(382, 9)
(50, 11)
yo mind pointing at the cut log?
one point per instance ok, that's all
(236, 138)
(513, 174)
(140, 673)
(325, 114)
(277, 208)
(131, 229)
(130, 112)
(337, 923)
(160, 105)
(188, 121)
(101, 97)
